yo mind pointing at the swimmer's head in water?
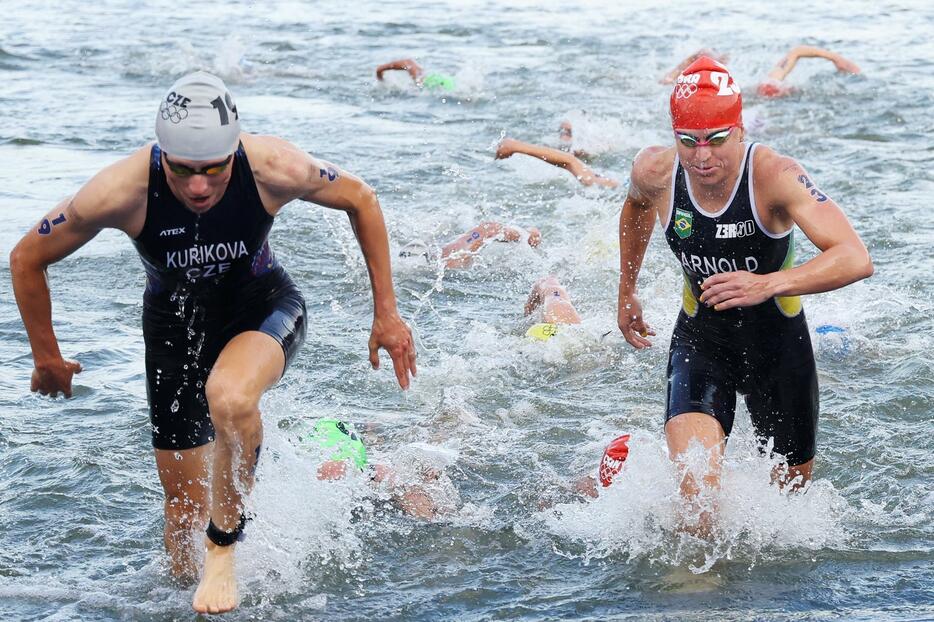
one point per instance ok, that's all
(542, 332)
(198, 119)
(773, 88)
(435, 81)
(614, 456)
(342, 438)
(705, 96)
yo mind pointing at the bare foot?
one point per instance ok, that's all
(217, 592)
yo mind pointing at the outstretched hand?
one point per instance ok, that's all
(728, 290)
(629, 319)
(392, 334)
(54, 378)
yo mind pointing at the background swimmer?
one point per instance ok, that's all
(421, 79)
(551, 299)
(773, 85)
(460, 252)
(584, 174)
(415, 498)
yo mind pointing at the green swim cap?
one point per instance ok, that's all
(342, 437)
(542, 332)
(438, 81)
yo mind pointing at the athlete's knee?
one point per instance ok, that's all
(230, 405)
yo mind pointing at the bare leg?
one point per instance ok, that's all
(796, 476)
(249, 364)
(680, 431)
(184, 476)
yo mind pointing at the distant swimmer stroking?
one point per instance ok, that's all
(556, 157)
(460, 252)
(347, 453)
(774, 84)
(222, 320)
(431, 81)
(728, 209)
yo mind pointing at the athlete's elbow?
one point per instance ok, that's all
(366, 200)
(19, 262)
(862, 266)
(868, 268)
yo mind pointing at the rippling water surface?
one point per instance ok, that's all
(511, 422)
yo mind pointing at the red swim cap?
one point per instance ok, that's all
(705, 97)
(773, 88)
(614, 456)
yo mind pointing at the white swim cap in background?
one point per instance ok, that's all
(197, 119)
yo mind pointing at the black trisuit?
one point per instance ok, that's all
(209, 277)
(764, 351)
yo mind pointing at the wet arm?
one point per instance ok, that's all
(404, 64)
(555, 157)
(787, 64)
(107, 200)
(343, 191)
(636, 221)
(843, 258)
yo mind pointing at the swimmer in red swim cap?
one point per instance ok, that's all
(774, 86)
(614, 456)
(705, 96)
(728, 210)
(611, 463)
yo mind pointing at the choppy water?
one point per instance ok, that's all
(80, 504)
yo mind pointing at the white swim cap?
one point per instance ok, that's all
(197, 119)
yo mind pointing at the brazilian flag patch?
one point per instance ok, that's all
(684, 221)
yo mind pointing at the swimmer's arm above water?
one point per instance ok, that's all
(457, 253)
(788, 62)
(403, 64)
(116, 198)
(283, 173)
(510, 146)
(636, 221)
(795, 200)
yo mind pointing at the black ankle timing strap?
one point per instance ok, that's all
(226, 538)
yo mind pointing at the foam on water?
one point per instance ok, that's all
(641, 515)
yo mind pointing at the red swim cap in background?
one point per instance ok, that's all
(706, 97)
(614, 456)
(773, 88)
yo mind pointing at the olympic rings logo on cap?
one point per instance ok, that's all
(173, 113)
(683, 91)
